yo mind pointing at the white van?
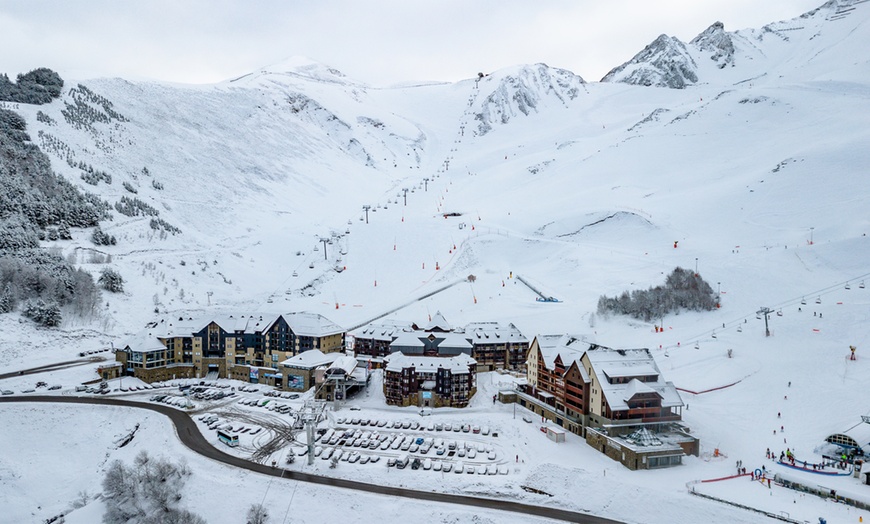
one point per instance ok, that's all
(402, 461)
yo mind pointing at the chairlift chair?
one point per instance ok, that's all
(847, 286)
(697, 346)
(714, 334)
(740, 329)
(803, 301)
(819, 300)
(861, 285)
(779, 313)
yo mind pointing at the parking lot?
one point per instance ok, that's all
(432, 446)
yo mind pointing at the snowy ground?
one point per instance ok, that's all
(574, 197)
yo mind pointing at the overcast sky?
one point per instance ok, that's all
(377, 42)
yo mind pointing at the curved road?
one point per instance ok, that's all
(190, 436)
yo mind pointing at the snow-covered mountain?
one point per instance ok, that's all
(256, 169)
(297, 188)
(710, 57)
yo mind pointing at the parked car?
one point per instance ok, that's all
(54, 387)
(7, 392)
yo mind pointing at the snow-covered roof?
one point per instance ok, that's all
(636, 387)
(568, 347)
(143, 341)
(493, 333)
(310, 359)
(438, 322)
(631, 370)
(302, 323)
(385, 331)
(344, 365)
(628, 363)
(311, 324)
(457, 365)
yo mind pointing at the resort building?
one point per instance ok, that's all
(417, 380)
(615, 398)
(490, 344)
(246, 347)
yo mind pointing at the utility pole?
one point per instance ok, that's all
(426, 182)
(765, 311)
(366, 209)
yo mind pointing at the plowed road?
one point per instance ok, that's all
(190, 436)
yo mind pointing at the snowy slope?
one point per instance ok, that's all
(580, 188)
(789, 50)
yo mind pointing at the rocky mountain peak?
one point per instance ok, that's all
(716, 41)
(521, 91)
(666, 62)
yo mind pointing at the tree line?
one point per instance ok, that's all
(35, 204)
(683, 290)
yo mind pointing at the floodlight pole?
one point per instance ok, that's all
(765, 311)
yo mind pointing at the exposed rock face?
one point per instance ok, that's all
(716, 41)
(666, 62)
(522, 92)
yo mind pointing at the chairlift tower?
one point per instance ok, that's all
(325, 240)
(765, 311)
(310, 414)
(366, 209)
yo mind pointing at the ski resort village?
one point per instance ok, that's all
(523, 296)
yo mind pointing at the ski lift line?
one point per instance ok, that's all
(791, 302)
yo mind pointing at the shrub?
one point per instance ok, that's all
(111, 280)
